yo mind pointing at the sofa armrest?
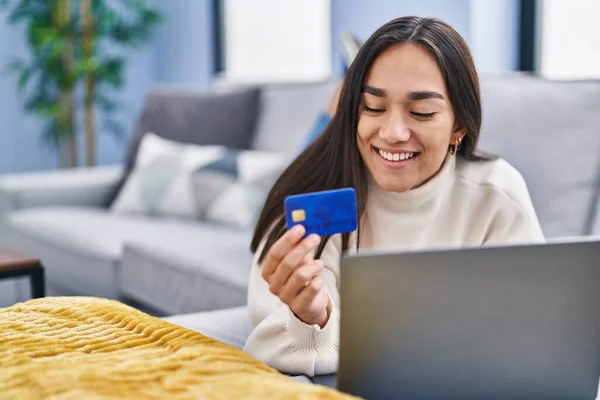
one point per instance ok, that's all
(87, 187)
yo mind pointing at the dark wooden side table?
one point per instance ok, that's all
(14, 264)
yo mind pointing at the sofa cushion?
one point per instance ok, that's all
(550, 131)
(79, 247)
(231, 325)
(79, 187)
(82, 248)
(201, 270)
(288, 112)
(233, 189)
(161, 182)
(197, 118)
(318, 128)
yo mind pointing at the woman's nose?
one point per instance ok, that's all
(395, 130)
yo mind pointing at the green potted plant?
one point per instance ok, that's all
(77, 43)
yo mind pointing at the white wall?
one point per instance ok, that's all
(21, 147)
(570, 46)
(274, 40)
(184, 52)
(494, 35)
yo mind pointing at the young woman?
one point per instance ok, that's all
(404, 136)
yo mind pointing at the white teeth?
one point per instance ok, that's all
(396, 156)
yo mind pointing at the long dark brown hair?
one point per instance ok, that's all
(333, 161)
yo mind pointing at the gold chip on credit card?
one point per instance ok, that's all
(298, 215)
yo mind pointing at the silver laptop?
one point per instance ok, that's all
(519, 322)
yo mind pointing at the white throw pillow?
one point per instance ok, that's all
(160, 183)
(232, 190)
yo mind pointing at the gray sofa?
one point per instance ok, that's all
(549, 130)
(165, 266)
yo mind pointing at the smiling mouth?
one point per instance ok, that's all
(396, 158)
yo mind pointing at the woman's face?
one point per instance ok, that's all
(405, 120)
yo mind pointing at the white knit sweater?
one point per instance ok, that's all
(465, 204)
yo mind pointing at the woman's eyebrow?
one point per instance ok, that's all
(424, 95)
(374, 91)
(412, 96)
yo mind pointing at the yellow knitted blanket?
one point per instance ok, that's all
(87, 348)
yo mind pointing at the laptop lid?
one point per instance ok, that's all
(494, 322)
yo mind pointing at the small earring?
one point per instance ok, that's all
(454, 147)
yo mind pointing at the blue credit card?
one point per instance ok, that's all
(324, 213)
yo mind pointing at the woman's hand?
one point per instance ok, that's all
(293, 276)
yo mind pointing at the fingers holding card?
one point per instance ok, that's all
(290, 268)
(294, 277)
(280, 249)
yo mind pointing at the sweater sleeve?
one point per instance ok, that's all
(282, 340)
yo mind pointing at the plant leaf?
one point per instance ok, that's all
(111, 72)
(23, 79)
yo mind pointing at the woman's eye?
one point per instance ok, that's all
(373, 110)
(423, 115)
